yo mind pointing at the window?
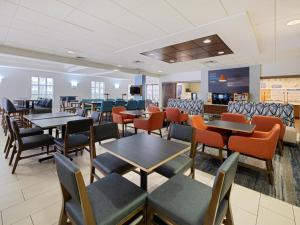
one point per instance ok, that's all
(152, 92)
(97, 89)
(41, 87)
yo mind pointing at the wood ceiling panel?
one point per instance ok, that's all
(200, 48)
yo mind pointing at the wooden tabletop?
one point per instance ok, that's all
(54, 122)
(233, 126)
(41, 116)
(135, 113)
(144, 151)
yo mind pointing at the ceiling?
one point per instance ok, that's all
(115, 32)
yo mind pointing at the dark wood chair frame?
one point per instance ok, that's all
(210, 216)
(86, 208)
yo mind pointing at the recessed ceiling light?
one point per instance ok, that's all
(293, 22)
(70, 52)
(160, 71)
(206, 41)
(172, 61)
(115, 70)
(221, 52)
(151, 54)
(119, 66)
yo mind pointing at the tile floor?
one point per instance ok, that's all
(32, 196)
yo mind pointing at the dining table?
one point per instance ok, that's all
(231, 126)
(135, 113)
(145, 152)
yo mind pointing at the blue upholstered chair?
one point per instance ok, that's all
(120, 102)
(141, 104)
(132, 105)
(111, 200)
(106, 108)
(198, 202)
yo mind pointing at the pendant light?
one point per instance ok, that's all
(222, 78)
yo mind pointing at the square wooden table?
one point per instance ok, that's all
(55, 122)
(145, 152)
(232, 126)
(41, 116)
(135, 113)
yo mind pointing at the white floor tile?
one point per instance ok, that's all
(268, 217)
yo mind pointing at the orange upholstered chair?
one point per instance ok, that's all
(234, 117)
(261, 145)
(175, 116)
(266, 123)
(153, 108)
(207, 137)
(154, 122)
(121, 119)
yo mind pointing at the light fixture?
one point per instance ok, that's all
(222, 78)
(293, 22)
(221, 53)
(74, 83)
(207, 41)
(160, 71)
(172, 61)
(115, 70)
(151, 54)
(1, 78)
(70, 52)
(117, 85)
(119, 66)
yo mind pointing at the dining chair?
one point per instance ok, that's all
(106, 163)
(24, 132)
(111, 200)
(80, 112)
(141, 105)
(120, 102)
(153, 108)
(259, 145)
(132, 105)
(18, 113)
(234, 117)
(77, 137)
(183, 162)
(122, 119)
(154, 122)
(174, 115)
(208, 137)
(96, 116)
(28, 143)
(182, 200)
(266, 123)
(106, 108)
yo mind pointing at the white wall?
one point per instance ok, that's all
(16, 83)
(280, 69)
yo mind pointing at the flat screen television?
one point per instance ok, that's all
(135, 90)
(221, 98)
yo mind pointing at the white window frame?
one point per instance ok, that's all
(153, 96)
(43, 89)
(97, 89)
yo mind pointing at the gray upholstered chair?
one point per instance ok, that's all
(24, 132)
(96, 117)
(182, 200)
(111, 200)
(106, 163)
(77, 137)
(183, 162)
(28, 143)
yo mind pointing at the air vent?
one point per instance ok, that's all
(80, 57)
(137, 62)
(210, 62)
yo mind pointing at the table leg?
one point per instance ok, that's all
(144, 180)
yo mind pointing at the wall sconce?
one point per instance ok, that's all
(117, 85)
(74, 83)
(1, 78)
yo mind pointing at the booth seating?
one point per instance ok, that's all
(192, 107)
(132, 105)
(42, 106)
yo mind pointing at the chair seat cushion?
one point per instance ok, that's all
(178, 165)
(75, 140)
(109, 163)
(37, 141)
(112, 198)
(182, 199)
(25, 132)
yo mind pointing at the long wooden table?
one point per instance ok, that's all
(232, 126)
(145, 152)
(55, 122)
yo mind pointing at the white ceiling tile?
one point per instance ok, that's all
(158, 13)
(288, 8)
(3, 33)
(7, 12)
(73, 3)
(199, 11)
(51, 8)
(260, 11)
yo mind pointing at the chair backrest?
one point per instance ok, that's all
(141, 104)
(156, 120)
(78, 126)
(9, 125)
(198, 122)
(173, 114)
(132, 105)
(221, 190)
(73, 187)
(120, 102)
(96, 116)
(183, 133)
(266, 123)
(118, 109)
(153, 109)
(80, 112)
(16, 131)
(107, 106)
(234, 117)
(9, 106)
(103, 132)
